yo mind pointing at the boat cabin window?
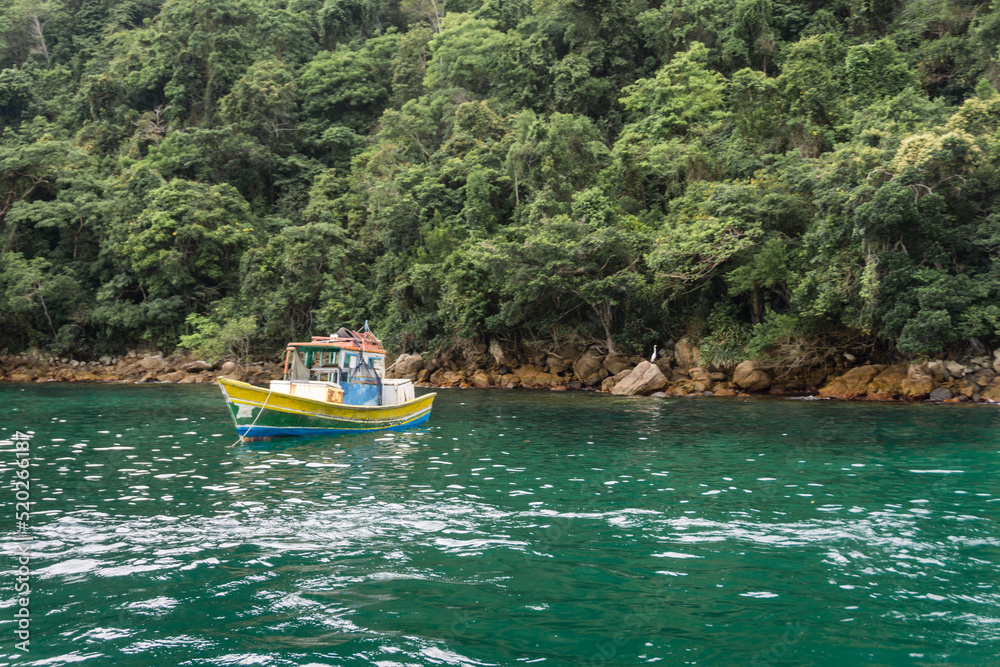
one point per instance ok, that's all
(315, 364)
(323, 364)
(329, 364)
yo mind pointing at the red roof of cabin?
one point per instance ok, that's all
(368, 343)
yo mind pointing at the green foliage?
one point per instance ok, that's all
(770, 174)
(556, 271)
(673, 117)
(677, 24)
(348, 87)
(262, 103)
(463, 54)
(38, 299)
(16, 94)
(182, 248)
(212, 340)
(877, 70)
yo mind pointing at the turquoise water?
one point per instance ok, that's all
(513, 528)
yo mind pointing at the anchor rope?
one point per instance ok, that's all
(242, 438)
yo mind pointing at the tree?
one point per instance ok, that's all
(186, 241)
(877, 70)
(672, 115)
(263, 102)
(749, 38)
(43, 295)
(463, 54)
(561, 270)
(29, 169)
(345, 87)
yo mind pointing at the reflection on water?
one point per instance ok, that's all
(514, 527)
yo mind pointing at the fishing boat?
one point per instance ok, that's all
(331, 384)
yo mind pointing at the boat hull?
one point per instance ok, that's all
(261, 413)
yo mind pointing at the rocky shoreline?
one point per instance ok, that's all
(677, 371)
(132, 368)
(674, 371)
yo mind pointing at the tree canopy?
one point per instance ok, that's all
(765, 175)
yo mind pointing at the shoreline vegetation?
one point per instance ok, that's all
(797, 183)
(676, 371)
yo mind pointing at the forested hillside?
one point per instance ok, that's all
(780, 178)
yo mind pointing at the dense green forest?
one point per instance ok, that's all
(781, 179)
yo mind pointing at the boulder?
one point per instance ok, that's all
(978, 363)
(940, 394)
(557, 364)
(687, 354)
(150, 363)
(965, 387)
(533, 376)
(992, 393)
(888, 384)
(127, 368)
(918, 382)
(983, 378)
(196, 366)
(644, 379)
(723, 389)
(687, 386)
(228, 367)
(482, 379)
(595, 379)
(749, 377)
(408, 366)
(453, 378)
(700, 374)
(851, 384)
(939, 371)
(176, 376)
(589, 363)
(609, 383)
(615, 364)
(996, 360)
(956, 369)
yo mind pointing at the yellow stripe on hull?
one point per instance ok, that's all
(257, 411)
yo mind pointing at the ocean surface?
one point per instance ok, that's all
(513, 528)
